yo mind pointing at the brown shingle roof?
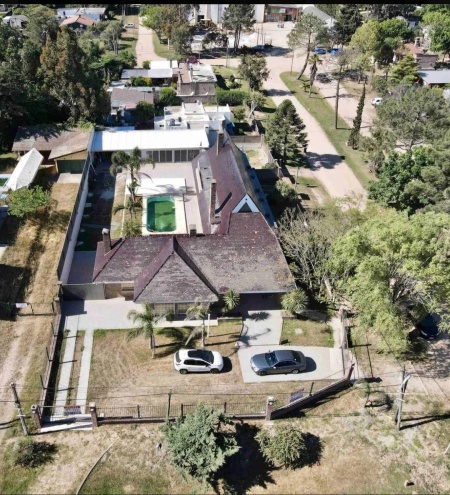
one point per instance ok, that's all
(248, 259)
(59, 142)
(81, 19)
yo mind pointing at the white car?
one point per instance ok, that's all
(197, 361)
(129, 25)
(376, 101)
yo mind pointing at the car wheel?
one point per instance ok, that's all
(183, 372)
(215, 371)
(262, 373)
(295, 372)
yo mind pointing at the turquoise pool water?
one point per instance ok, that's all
(161, 214)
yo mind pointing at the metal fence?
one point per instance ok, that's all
(85, 292)
(346, 355)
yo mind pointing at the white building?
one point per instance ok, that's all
(194, 116)
(214, 12)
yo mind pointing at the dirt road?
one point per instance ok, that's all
(144, 45)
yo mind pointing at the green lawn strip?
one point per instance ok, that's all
(322, 111)
(314, 333)
(161, 49)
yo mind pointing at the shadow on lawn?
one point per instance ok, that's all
(245, 469)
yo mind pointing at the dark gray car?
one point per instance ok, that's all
(277, 362)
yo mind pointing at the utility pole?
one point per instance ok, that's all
(19, 409)
(401, 395)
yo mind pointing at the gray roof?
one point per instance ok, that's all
(152, 73)
(130, 97)
(247, 259)
(318, 13)
(435, 76)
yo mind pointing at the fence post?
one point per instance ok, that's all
(93, 411)
(42, 382)
(168, 404)
(269, 408)
(48, 355)
(225, 407)
(311, 389)
(138, 411)
(182, 411)
(36, 413)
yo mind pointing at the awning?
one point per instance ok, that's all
(25, 170)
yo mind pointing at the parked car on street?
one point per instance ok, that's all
(277, 362)
(320, 51)
(197, 361)
(336, 51)
(428, 327)
(129, 25)
(376, 101)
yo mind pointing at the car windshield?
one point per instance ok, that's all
(270, 358)
(202, 354)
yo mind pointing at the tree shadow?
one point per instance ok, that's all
(247, 468)
(312, 454)
(179, 336)
(259, 316)
(423, 420)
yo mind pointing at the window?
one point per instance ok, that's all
(154, 155)
(190, 362)
(182, 308)
(192, 154)
(180, 155)
(165, 156)
(128, 287)
(199, 362)
(163, 308)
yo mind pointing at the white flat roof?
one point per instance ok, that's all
(25, 170)
(179, 139)
(155, 187)
(164, 64)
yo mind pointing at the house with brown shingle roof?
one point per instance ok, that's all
(238, 248)
(78, 22)
(65, 149)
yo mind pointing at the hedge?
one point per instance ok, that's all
(232, 97)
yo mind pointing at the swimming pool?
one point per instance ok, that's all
(161, 214)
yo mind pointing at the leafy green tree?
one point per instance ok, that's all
(348, 21)
(295, 301)
(307, 239)
(214, 39)
(304, 36)
(287, 193)
(285, 130)
(381, 12)
(439, 25)
(238, 17)
(289, 446)
(182, 37)
(239, 114)
(144, 111)
(231, 299)
(411, 116)
(393, 269)
(24, 202)
(253, 68)
(353, 140)
(132, 206)
(42, 24)
(257, 98)
(164, 18)
(112, 35)
(405, 71)
(146, 320)
(167, 98)
(199, 445)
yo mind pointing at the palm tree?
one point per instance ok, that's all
(295, 301)
(132, 228)
(131, 206)
(313, 60)
(146, 320)
(198, 311)
(231, 299)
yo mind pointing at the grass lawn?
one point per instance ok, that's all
(162, 49)
(314, 333)
(7, 162)
(321, 110)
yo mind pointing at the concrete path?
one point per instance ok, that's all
(83, 379)
(66, 367)
(261, 328)
(322, 363)
(144, 45)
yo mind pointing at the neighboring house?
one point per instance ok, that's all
(282, 12)
(194, 116)
(237, 250)
(158, 76)
(18, 21)
(65, 150)
(432, 78)
(214, 12)
(327, 19)
(78, 22)
(96, 14)
(424, 59)
(196, 82)
(127, 99)
(411, 21)
(162, 147)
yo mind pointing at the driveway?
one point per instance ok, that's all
(322, 363)
(144, 45)
(262, 327)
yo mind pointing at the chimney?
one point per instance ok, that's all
(212, 206)
(106, 241)
(219, 141)
(192, 230)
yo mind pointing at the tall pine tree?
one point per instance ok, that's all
(348, 21)
(353, 140)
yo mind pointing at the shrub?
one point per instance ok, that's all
(232, 78)
(271, 166)
(32, 454)
(146, 64)
(287, 192)
(234, 85)
(23, 202)
(232, 97)
(379, 84)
